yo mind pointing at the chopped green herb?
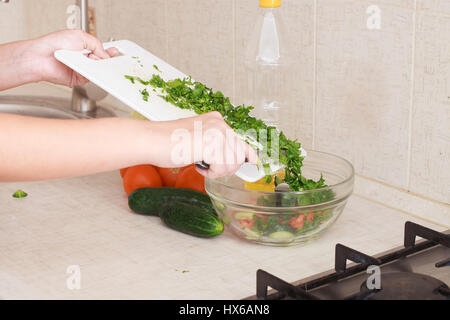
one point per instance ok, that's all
(184, 271)
(20, 194)
(131, 78)
(145, 83)
(268, 179)
(187, 94)
(156, 67)
(144, 94)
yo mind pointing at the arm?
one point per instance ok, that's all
(39, 149)
(16, 65)
(32, 60)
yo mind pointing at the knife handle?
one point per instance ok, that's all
(202, 165)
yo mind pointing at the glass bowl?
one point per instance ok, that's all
(285, 218)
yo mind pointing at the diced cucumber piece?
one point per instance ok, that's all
(226, 219)
(243, 215)
(281, 235)
(219, 205)
(251, 233)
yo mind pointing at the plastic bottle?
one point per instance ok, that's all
(267, 60)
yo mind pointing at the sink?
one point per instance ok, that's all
(35, 111)
(47, 107)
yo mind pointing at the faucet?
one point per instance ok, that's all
(84, 97)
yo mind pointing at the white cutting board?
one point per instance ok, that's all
(133, 60)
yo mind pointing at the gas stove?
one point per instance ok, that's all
(418, 270)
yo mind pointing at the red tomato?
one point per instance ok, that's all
(297, 222)
(169, 175)
(123, 171)
(143, 176)
(189, 178)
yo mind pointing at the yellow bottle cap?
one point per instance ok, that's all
(269, 3)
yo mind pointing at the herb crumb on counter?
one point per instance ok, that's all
(20, 194)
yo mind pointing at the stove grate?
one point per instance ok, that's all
(343, 253)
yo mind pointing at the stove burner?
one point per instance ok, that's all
(401, 284)
(407, 286)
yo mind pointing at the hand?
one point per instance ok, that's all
(52, 70)
(207, 138)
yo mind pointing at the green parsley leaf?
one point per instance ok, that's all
(20, 194)
(145, 94)
(131, 78)
(156, 67)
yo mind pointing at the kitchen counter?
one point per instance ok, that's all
(85, 221)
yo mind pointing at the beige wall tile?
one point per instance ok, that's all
(409, 4)
(45, 16)
(405, 201)
(200, 41)
(140, 21)
(364, 88)
(430, 161)
(298, 15)
(12, 24)
(437, 6)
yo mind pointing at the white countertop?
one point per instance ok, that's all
(85, 221)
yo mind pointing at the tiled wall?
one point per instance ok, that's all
(11, 21)
(378, 97)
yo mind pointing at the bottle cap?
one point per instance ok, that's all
(269, 3)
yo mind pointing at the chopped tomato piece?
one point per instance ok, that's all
(263, 217)
(247, 223)
(297, 222)
(310, 216)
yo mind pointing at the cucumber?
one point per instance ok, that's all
(191, 219)
(242, 215)
(281, 235)
(148, 201)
